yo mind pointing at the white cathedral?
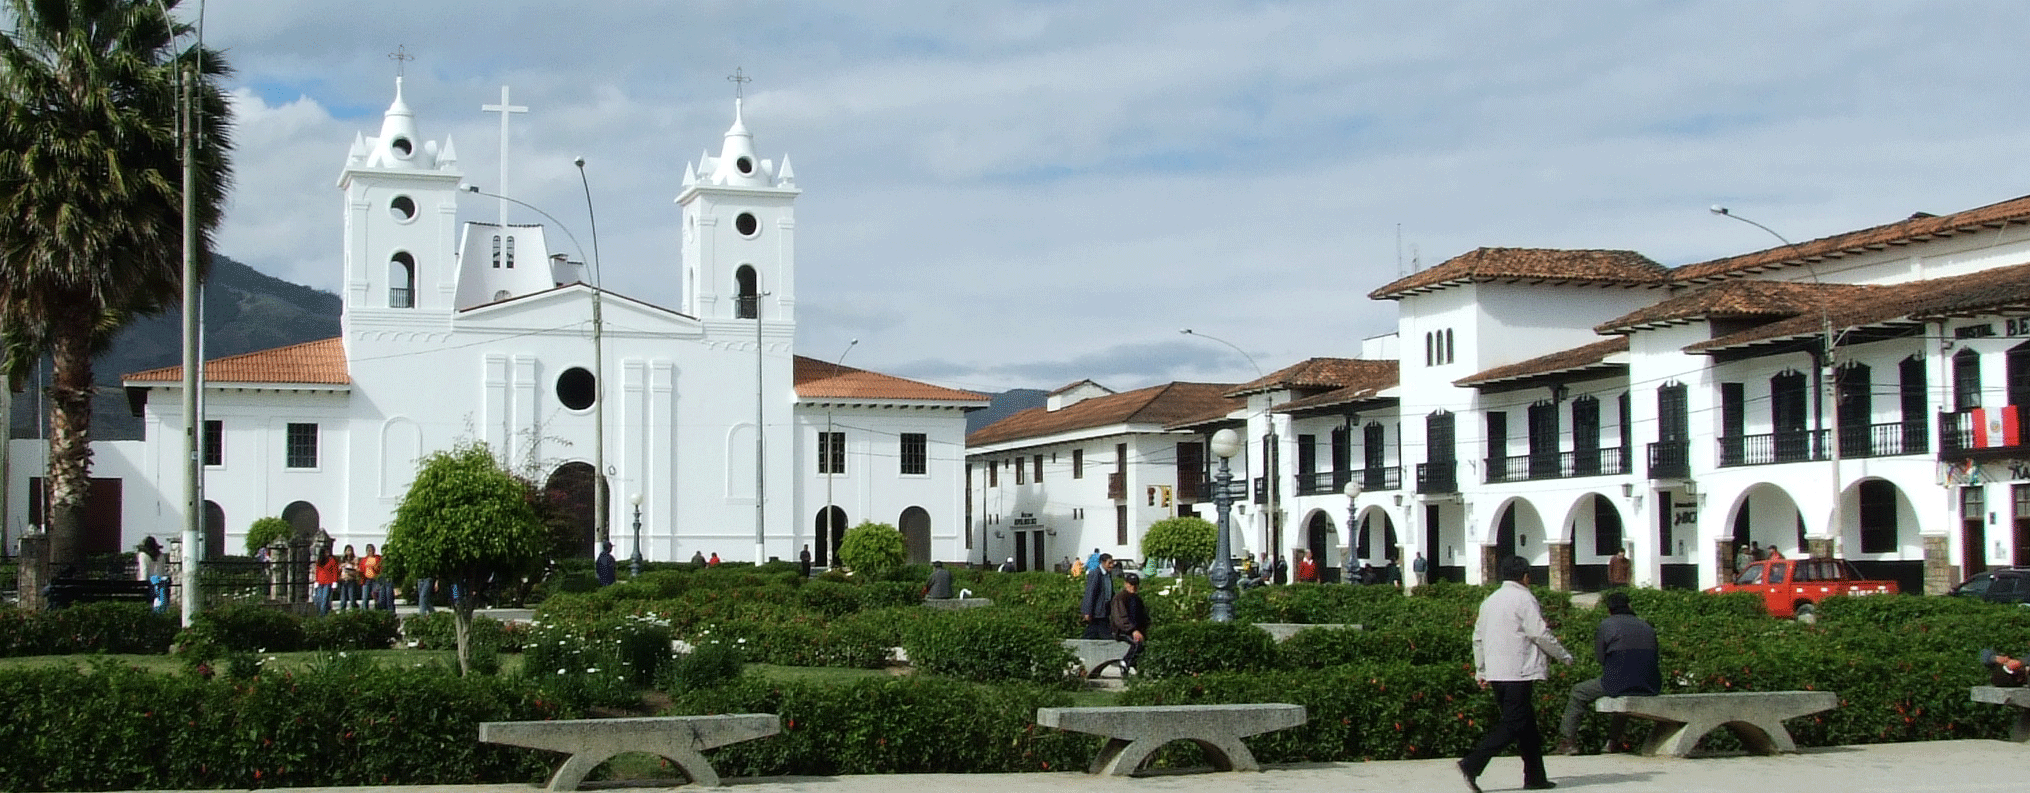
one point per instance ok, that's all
(713, 435)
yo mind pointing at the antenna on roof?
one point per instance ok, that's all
(1416, 259)
(1399, 251)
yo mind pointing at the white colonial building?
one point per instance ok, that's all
(709, 429)
(1859, 395)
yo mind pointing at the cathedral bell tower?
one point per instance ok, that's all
(739, 227)
(401, 220)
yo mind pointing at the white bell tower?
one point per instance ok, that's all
(739, 233)
(401, 223)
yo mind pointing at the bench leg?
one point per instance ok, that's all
(1669, 738)
(2020, 732)
(694, 765)
(1122, 757)
(1094, 673)
(1676, 738)
(1763, 738)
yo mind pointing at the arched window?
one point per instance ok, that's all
(1966, 379)
(749, 305)
(496, 251)
(402, 281)
(511, 252)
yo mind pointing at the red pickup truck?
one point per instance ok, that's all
(1790, 587)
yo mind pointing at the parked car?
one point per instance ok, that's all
(1793, 587)
(2000, 585)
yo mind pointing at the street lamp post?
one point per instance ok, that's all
(1274, 514)
(1225, 444)
(193, 317)
(634, 569)
(827, 450)
(1352, 492)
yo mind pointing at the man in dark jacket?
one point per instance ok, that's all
(1130, 619)
(1625, 646)
(1099, 593)
(940, 585)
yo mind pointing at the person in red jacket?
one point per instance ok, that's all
(325, 574)
(1307, 569)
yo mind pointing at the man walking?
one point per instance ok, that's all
(1620, 571)
(1626, 648)
(1510, 642)
(1099, 593)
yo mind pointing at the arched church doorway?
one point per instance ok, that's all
(1321, 538)
(569, 493)
(214, 530)
(915, 527)
(302, 517)
(830, 529)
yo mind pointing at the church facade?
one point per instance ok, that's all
(709, 433)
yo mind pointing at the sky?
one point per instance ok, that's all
(1022, 195)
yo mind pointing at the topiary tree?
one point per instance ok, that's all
(1188, 541)
(872, 548)
(464, 520)
(267, 531)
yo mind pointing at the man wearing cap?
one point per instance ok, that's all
(2003, 670)
(1130, 619)
(1008, 566)
(1626, 648)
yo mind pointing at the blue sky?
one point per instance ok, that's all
(1027, 194)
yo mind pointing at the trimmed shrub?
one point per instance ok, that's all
(830, 598)
(1196, 648)
(704, 666)
(871, 549)
(249, 628)
(600, 664)
(987, 644)
(357, 629)
(127, 628)
(438, 630)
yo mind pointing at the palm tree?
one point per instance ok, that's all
(91, 201)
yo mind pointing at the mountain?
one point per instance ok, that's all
(1005, 404)
(244, 311)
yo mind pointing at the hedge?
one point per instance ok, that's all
(85, 628)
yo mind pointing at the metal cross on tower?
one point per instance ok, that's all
(400, 56)
(739, 79)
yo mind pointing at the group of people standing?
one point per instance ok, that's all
(354, 581)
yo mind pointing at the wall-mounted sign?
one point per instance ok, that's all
(1026, 520)
(1978, 331)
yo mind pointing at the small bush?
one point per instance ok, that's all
(1195, 648)
(871, 549)
(438, 630)
(830, 598)
(704, 666)
(597, 664)
(249, 628)
(987, 644)
(125, 628)
(358, 629)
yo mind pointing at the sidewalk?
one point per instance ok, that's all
(1971, 766)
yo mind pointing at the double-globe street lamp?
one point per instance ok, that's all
(1352, 492)
(634, 566)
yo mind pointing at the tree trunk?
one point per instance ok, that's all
(462, 609)
(70, 431)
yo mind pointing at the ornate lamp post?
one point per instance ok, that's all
(1352, 492)
(1225, 444)
(634, 570)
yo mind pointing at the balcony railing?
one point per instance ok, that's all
(1788, 446)
(1438, 477)
(1670, 459)
(1611, 461)
(1884, 440)
(1329, 482)
(1961, 432)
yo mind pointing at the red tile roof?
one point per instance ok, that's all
(1917, 228)
(1156, 405)
(1745, 300)
(1996, 291)
(1594, 267)
(1578, 359)
(1320, 373)
(817, 379)
(319, 362)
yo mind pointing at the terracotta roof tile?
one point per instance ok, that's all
(817, 379)
(2003, 289)
(1600, 267)
(1917, 228)
(1320, 373)
(1577, 359)
(1158, 405)
(319, 362)
(1769, 300)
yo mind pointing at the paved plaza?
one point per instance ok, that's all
(1884, 768)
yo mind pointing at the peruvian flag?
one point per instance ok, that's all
(1995, 427)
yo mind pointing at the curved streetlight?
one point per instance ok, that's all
(1225, 444)
(1270, 446)
(1828, 344)
(599, 483)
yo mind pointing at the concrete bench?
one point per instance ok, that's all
(2016, 697)
(1135, 733)
(1755, 717)
(1097, 654)
(591, 742)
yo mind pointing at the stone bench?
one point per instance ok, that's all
(1135, 733)
(591, 742)
(2016, 697)
(1755, 717)
(1097, 654)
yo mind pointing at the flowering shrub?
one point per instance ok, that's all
(598, 664)
(706, 665)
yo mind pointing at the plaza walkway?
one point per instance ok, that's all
(1971, 766)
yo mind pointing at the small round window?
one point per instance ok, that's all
(746, 224)
(745, 164)
(401, 146)
(576, 388)
(403, 207)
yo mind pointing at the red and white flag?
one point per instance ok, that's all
(1995, 427)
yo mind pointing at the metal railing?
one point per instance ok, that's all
(1438, 477)
(1788, 446)
(1609, 461)
(1670, 459)
(1330, 482)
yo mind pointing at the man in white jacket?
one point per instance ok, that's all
(1510, 645)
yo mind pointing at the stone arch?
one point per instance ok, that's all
(401, 449)
(1374, 540)
(1764, 513)
(1515, 529)
(829, 532)
(914, 523)
(1321, 538)
(214, 530)
(569, 490)
(302, 517)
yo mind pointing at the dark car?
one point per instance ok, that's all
(2000, 585)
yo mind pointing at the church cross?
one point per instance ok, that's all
(400, 56)
(506, 110)
(739, 79)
